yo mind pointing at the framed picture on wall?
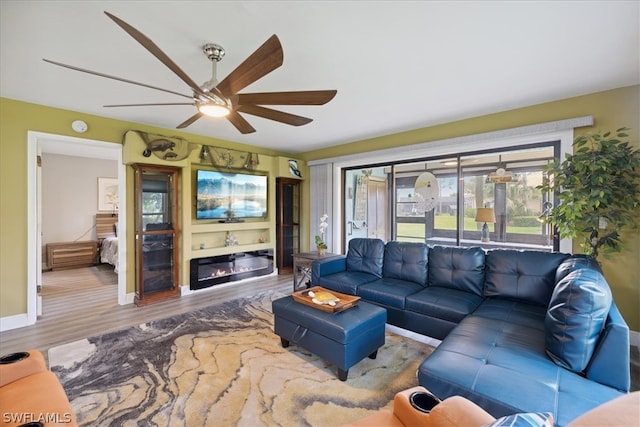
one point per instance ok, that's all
(108, 194)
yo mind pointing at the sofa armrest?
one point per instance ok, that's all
(34, 396)
(455, 411)
(609, 364)
(30, 365)
(324, 267)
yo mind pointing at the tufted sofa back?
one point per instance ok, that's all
(406, 261)
(457, 268)
(527, 276)
(365, 255)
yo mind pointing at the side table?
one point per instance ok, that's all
(302, 267)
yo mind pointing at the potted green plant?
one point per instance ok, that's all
(598, 188)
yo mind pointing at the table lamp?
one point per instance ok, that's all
(485, 215)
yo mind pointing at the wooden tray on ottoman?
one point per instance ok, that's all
(346, 301)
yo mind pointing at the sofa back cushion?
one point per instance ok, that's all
(577, 313)
(527, 276)
(406, 261)
(457, 268)
(365, 255)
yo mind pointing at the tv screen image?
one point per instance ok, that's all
(227, 196)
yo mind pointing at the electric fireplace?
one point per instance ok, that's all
(211, 271)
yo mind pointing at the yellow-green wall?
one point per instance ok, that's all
(16, 119)
(611, 110)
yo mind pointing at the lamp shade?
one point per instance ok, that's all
(485, 215)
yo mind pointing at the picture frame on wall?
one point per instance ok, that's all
(108, 194)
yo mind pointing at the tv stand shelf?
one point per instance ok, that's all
(229, 226)
(210, 239)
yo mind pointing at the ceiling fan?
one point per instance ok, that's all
(221, 99)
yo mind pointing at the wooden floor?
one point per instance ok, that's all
(83, 302)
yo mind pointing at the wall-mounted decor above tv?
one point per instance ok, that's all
(230, 196)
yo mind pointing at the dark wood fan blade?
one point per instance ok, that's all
(190, 120)
(240, 123)
(71, 67)
(308, 97)
(155, 51)
(264, 60)
(278, 116)
(150, 105)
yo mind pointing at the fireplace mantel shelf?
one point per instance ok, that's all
(224, 250)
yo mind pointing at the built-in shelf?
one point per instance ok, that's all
(223, 250)
(229, 226)
(211, 239)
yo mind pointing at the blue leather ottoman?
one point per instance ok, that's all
(343, 338)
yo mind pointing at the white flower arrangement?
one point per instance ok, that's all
(320, 243)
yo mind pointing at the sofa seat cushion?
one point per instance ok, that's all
(443, 303)
(527, 276)
(346, 282)
(500, 364)
(513, 312)
(388, 292)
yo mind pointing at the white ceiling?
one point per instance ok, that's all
(397, 65)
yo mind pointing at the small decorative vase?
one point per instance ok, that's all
(321, 251)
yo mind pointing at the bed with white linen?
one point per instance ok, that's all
(107, 234)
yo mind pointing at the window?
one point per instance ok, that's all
(446, 211)
(155, 199)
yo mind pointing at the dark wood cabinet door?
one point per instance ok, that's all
(157, 235)
(287, 223)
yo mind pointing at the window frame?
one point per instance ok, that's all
(329, 189)
(459, 234)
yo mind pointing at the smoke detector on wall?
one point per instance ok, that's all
(79, 126)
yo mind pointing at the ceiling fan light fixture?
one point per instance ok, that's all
(214, 110)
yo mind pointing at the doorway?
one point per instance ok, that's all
(377, 208)
(37, 143)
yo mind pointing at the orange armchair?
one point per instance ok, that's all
(29, 392)
(457, 411)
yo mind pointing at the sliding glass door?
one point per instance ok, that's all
(486, 198)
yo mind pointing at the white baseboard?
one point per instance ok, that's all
(413, 335)
(14, 322)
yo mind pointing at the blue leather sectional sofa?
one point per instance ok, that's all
(521, 331)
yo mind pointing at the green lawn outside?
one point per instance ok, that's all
(448, 222)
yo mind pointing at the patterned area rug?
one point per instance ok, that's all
(224, 366)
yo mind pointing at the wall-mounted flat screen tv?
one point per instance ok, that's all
(230, 196)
